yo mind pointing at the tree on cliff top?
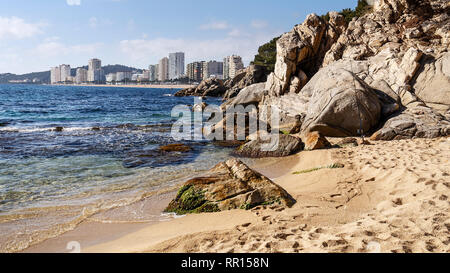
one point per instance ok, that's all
(361, 9)
(267, 55)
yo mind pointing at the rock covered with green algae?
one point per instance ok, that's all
(229, 185)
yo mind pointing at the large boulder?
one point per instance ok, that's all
(207, 88)
(259, 148)
(251, 75)
(432, 84)
(417, 121)
(229, 185)
(340, 104)
(294, 47)
(250, 95)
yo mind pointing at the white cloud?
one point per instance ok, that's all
(259, 24)
(145, 51)
(215, 25)
(50, 52)
(54, 48)
(73, 2)
(93, 22)
(236, 33)
(17, 28)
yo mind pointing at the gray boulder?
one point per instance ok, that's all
(252, 94)
(418, 121)
(286, 145)
(433, 82)
(207, 88)
(251, 75)
(340, 104)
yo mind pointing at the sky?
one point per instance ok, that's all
(36, 35)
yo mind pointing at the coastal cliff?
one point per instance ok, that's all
(384, 74)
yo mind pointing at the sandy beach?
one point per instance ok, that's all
(161, 86)
(390, 197)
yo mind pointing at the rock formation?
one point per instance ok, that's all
(229, 89)
(340, 105)
(315, 141)
(285, 146)
(388, 64)
(207, 88)
(251, 75)
(229, 185)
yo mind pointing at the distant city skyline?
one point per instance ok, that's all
(171, 68)
(36, 35)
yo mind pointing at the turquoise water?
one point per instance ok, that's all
(106, 154)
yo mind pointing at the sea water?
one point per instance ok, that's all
(105, 156)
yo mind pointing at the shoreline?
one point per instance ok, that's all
(371, 201)
(155, 86)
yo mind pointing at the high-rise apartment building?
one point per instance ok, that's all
(81, 76)
(111, 77)
(195, 71)
(55, 75)
(176, 65)
(95, 71)
(213, 69)
(163, 72)
(123, 76)
(231, 66)
(152, 75)
(64, 72)
(94, 64)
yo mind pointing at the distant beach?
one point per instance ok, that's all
(160, 86)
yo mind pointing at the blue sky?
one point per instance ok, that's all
(35, 35)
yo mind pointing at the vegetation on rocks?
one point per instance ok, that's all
(267, 55)
(229, 185)
(191, 200)
(361, 9)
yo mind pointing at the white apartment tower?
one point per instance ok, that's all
(152, 73)
(81, 76)
(64, 72)
(231, 66)
(55, 75)
(95, 71)
(176, 65)
(163, 69)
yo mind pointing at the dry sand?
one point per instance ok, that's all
(390, 197)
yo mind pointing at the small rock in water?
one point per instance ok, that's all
(175, 148)
(58, 129)
(4, 123)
